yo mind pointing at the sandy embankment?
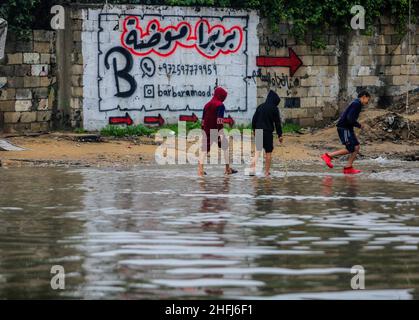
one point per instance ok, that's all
(61, 149)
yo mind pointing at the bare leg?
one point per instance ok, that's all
(352, 157)
(268, 157)
(341, 152)
(201, 164)
(200, 169)
(229, 170)
(254, 161)
(226, 160)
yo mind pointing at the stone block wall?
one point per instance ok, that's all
(76, 72)
(49, 81)
(382, 63)
(330, 77)
(27, 83)
(309, 96)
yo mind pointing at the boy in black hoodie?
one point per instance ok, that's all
(345, 126)
(267, 118)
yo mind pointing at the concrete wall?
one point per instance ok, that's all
(67, 79)
(151, 61)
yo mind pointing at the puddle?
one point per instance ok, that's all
(162, 233)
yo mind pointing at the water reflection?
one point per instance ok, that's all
(33, 207)
(349, 190)
(161, 233)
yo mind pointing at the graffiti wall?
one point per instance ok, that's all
(161, 64)
(277, 69)
(149, 64)
(306, 79)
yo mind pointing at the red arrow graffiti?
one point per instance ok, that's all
(121, 120)
(154, 120)
(230, 121)
(292, 61)
(187, 118)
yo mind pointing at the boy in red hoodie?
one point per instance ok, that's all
(213, 119)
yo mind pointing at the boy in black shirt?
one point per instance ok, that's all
(266, 118)
(345, 126)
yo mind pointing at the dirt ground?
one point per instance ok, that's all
(66, 149)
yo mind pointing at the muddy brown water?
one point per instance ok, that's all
(160, 232)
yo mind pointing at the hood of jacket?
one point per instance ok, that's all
(220, 94)
(272, 99)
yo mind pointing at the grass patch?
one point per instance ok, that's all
(141, 130)
(239, 127)
(174, 127)
(290, 128)
(128, 131)
(286, 127)
(79, 131)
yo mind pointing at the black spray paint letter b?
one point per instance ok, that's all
(123, 73)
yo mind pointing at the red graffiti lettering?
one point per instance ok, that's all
(209, 41)
(155, 39)
(216, 40)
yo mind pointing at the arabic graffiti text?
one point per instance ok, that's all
(208, 40)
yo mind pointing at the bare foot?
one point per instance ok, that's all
(251, 172)
(230, 171)
(201, 173)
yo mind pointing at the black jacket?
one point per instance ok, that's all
(267, 115)
(349, 118)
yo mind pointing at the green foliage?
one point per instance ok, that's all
(286, 127)
(306, 16)
(317, 16)
(290, 128)
(19, 15)
(79, 131)
(239, 127)
(174, 127)
(129, 131)
(141, 130)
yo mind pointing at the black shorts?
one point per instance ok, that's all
(268, 142)
(348, 138)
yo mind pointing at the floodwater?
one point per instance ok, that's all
(162, 233)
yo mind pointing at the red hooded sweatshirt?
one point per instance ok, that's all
(213, 115)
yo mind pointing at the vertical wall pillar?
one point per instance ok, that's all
(64, 47)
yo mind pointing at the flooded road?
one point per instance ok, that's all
(161, 232)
